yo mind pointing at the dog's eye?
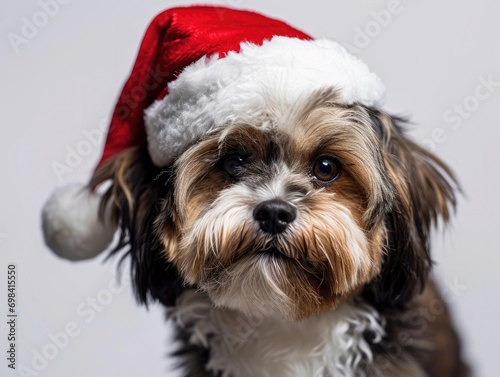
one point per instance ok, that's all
(233, 165)
(326, 169)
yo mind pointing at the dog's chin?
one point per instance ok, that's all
(270, 284)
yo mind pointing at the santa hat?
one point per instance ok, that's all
(198, 69)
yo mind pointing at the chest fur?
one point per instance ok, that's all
(332, 344)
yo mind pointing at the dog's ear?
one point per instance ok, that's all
(140, 197)
(424, 191)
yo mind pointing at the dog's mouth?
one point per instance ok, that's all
(273, 252)
(275, 255)
(270, 253)
(315, 274)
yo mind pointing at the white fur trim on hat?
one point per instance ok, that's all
(211, 93)
(71, 224)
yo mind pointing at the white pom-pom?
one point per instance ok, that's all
(71, 224)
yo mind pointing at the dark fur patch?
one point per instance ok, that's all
(138, 193)
(423, 336)
(424, 188)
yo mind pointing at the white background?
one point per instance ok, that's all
(430, 55)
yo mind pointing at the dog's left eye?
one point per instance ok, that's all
(233, 165)
(326, 169)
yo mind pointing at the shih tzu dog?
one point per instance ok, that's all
(266, 199)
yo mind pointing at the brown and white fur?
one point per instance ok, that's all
(338, 289)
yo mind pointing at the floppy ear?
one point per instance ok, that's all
(424, 192)
(140, 194)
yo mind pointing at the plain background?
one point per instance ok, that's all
(431, 56)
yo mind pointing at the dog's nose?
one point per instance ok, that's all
(274, 215)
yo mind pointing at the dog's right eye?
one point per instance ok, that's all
(233, 165)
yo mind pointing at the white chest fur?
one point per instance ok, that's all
(329, 345)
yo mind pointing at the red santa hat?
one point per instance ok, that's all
(198, 69)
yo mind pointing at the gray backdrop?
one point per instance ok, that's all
(439, 62)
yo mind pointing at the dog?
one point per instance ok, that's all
(286, 231)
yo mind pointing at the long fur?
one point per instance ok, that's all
(425, 191)
(138, 193)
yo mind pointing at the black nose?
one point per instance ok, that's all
(274, 215)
